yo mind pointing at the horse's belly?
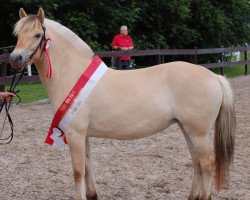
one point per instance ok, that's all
(120, 131)
(136, 115)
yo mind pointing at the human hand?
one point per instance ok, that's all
(6, 96)
(124, 48)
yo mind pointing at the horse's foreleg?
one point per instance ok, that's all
(76, 142)
(90, 184)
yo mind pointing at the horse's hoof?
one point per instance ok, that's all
(198, 198)
(93, 197)
(193, 198)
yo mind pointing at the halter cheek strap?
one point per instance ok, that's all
(45, 49)
(39, 46)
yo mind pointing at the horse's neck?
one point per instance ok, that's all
(68, 63)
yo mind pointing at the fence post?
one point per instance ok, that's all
(245, 57)
(196, 55)
(222, 60)
(162, 59)
(222, 71)
(158, 59)
(3, 71)
(29, 70)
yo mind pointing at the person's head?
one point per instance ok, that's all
(124, 30)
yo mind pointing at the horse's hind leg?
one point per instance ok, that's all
(197, 179)
(199, 145)
(206, 158)
(90, 184)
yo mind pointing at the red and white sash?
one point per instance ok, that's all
(73, 102)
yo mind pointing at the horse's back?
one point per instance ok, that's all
(178, 80)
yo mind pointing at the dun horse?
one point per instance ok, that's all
(130, 104)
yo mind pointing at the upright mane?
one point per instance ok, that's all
(31, 21)
(26, 24)
(70, 36)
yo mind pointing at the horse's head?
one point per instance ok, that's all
(30, 38)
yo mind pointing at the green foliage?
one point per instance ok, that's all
(221, 23)
(86, 29)
(152, 24)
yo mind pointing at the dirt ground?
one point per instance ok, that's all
(156, 168)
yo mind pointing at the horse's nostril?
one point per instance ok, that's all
(15, 59)
(19, 58)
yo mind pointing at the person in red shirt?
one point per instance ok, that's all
(122, 42)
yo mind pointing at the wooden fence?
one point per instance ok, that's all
(158, 53)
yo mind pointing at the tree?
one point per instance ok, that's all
(152, 24)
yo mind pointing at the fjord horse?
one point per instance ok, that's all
(132, 104)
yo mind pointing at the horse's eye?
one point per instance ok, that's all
(38, 35)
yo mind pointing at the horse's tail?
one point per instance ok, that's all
(225, 126)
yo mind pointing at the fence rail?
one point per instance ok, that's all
(171, 52)
(159, 53)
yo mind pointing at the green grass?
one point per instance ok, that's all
(31, 92)
(232, 72)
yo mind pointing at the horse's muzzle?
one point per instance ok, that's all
(18, 59)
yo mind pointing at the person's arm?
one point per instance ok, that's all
(130, 45)
(114, 44)
(6, 96)
(130, 48)
(115, 47)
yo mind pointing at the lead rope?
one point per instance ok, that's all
(6, 105)
(13, 85)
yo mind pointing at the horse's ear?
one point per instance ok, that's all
(40, 15)
(22, 13)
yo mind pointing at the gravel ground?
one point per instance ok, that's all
(157, 167)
